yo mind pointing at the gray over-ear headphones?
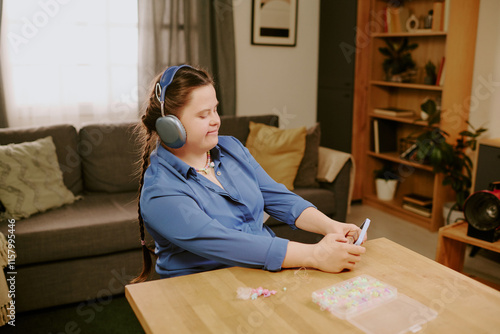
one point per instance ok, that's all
(169, 127)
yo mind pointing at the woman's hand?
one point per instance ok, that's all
(315, 221)
(334, 253)
(350, 231)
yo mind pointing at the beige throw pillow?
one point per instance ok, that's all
(278, 151)
(30, 178)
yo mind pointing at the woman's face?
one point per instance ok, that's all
(201, 120)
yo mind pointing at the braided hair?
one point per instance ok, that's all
(177, 96)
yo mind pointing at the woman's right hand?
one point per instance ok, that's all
(334, 253)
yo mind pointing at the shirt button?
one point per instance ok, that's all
(219, 173)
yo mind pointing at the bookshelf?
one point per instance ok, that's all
(455, 43)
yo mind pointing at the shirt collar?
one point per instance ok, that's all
(183, 168)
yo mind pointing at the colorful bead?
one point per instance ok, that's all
(353, 295)
(249, 293)
(207, 166)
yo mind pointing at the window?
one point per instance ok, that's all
(70, 61)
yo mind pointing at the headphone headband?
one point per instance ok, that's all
(165, 81)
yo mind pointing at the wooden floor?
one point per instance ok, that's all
(485, 265)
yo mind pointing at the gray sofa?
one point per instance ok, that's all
(90, 249)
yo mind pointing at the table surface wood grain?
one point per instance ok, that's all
(207, 302)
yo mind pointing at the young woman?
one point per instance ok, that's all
(203, 195)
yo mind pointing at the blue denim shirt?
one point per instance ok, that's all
(198, 226)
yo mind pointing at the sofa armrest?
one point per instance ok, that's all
(336, 173)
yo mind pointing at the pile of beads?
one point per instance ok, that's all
(354, 295)
(249, 293)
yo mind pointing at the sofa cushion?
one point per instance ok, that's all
(31, 180)
(65, 139)
(323, 199)
(239, 127)
(100, 223)
(308, 169)
(110, 153)
(278, 151)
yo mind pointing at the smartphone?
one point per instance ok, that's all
(364, 228)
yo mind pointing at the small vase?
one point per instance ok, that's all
(454, 216)
(386, 189)
(396, 78)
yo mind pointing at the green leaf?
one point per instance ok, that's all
(446, 181)
(436, 157)
(412, 47)
(481, 130)
(467, 133)
(385, 52)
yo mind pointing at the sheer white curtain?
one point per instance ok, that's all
(70, 61)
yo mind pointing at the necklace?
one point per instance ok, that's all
(207, 167)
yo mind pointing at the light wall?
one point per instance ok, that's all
(485, 95)
(277, 79)
(283, 80)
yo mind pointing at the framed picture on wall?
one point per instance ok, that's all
(274, 22)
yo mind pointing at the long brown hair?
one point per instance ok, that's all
(177, 96)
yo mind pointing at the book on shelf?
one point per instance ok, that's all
(376, 145)
(384, 136)
(393, 23)
(440, 77)
(420, 210)
(395, 112)
(438, 16)
(418, 199)
(395, 19)
(410, 153)
(446, 15)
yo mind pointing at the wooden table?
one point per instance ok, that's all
(452, 243)
(207, 303)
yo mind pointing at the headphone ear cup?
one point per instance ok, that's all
(171, 131)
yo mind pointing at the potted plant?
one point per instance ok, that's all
(450, 159)
(398, 65)
(386, 181)
(429, 112)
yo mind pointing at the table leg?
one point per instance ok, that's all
(450, 253)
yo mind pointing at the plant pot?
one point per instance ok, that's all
(386, 189)
(455, 215)
(396, 78)
(406, 76)
(428, 80)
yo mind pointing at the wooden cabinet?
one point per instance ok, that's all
(456, 44)
(336, 73)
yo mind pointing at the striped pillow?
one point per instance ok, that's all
(30, 178)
